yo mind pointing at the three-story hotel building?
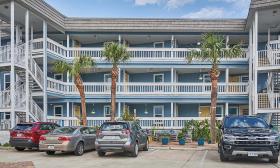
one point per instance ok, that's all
(157, 85)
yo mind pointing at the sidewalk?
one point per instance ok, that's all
(187, 146)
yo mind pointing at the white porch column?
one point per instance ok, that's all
(27, 95)
(172, 75)
(0, 38)
(45, 66)
(227, 41)
(119, 76)
(31, 33)
(12, 76)
(120, 39)
(172, 46)
(256, 61)
(119, 109)
(268, 35)
(227, 78)
(67, 109)
(17, 34)
(251, 94)
(172, 114)
(68, 44)
(226, 110)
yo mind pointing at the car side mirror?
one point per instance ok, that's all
(271, 126)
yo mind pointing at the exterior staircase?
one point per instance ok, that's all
(35, 77)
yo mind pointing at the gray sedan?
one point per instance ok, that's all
(68, 139)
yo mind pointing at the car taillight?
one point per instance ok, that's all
(126, 131)
(42, 138)
(64, 138)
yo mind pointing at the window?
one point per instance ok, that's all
(7, 115)
(206, 78)
(158, 44)
(58, 111)
(244, 78)
(84, 130)
(92, 130)
(158, 111)
(46, 127)
(58, 77)
(7, 80)
(107, 111)
(107, 77)
(158, 78)
(219, 111)
(233, 111)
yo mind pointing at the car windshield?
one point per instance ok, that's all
(114, 126)
(64, 130)
(22, 127)
(245, 122)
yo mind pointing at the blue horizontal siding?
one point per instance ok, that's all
(149, 77)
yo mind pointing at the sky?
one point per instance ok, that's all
(208, 9)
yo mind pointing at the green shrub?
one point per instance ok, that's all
(6, 145)
(181, 135)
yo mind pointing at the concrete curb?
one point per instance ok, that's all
(6, 148)
(185, 149)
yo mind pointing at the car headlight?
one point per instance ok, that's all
(274, 138)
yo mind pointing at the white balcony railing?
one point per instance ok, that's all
(271, 56)
(137, 54)
(147, 88)
(145, 122)
(269, 101)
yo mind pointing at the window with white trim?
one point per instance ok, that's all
(158, 44)
(7, 80)
(58, 111)
(58, 77)
(158, 111)
(244, 78)
(107, 111)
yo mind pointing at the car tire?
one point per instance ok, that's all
(79, 150)
(135, 150)
(19, 148)
(101, 153)
(50, 152)
(146, 147)
(273, 160)
(223, 158)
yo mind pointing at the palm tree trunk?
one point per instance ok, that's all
(113, 91)
(214, 74)
(80, 86)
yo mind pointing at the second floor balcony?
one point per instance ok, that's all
(147, 88)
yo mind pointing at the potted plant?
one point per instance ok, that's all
(201, 131)
(165, 138)
(181, 138)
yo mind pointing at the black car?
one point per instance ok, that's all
(248, 136)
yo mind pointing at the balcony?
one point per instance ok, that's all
(270, 58)
(137, 54)
(269, 102)
(140, 88)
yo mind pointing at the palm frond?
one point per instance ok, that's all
(115, 53)
(61, 67)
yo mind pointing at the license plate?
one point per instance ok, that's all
(252, 154)
(50, 147)
(19, 135)
(111, 137)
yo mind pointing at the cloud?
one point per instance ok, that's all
(208, 12)
(170, 4)
(173, 4)
(146, 2)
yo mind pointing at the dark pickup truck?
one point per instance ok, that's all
(248, 136)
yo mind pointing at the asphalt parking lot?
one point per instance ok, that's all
(154, 158)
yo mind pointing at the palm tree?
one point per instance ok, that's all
(115, 53)
(80, 64)
(213, 49)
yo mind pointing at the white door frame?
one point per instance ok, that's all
(158, 106)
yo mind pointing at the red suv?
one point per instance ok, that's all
(26, 135)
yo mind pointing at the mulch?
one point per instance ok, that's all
(27, 164)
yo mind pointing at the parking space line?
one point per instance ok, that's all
(203, 158)
(187, 161)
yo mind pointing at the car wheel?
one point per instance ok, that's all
(273, 160)
(79, 151)
(222, 156)
(19, 148)
(135, 150)
(146, 147)
(50, 152)
(101, 153)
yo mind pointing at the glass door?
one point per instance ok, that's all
(158, 78)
